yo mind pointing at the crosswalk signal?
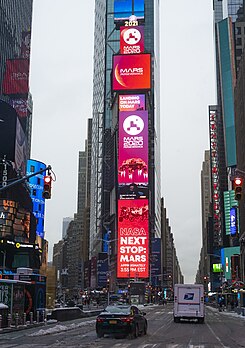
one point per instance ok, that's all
(238, 183)
(47, 187)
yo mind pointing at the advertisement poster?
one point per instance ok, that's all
(131, 40)
(20, 106)
(131, 72)
(133, 239)
(133, 148)
(123, 9)
(102, 269)
(16, 78)
(132, 102)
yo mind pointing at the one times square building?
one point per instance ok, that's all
(125, 173)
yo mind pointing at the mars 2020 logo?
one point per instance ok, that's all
(131, 36)
(133, 125)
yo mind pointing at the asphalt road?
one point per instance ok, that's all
(220, 330)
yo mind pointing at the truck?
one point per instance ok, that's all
(189, 302)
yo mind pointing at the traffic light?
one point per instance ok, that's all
(238, 183)
(47, 187)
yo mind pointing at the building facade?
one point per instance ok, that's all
(104, 185)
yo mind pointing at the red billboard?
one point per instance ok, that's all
(16, 77)
(131, 102)
(133, 239)
(133, 148)
(131, 40)
(131, 72)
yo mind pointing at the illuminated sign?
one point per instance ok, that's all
(36, 184)
(233, 221)
(216, 197)
(16, 78)
(14, 222)
(20, 148)
(131, 40)
(123, 9)
(133, 239)
(217, 267)
(133, 148)
(20, 106)
(133, 191)
(26, 44)
(131, 102)
(131, 72)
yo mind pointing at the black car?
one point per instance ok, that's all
(121, 320)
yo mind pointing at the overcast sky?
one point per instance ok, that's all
(61, 85)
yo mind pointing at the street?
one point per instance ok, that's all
(223, 329)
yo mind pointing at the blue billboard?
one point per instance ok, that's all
(233, 220)
(36, 189)
(123, 9)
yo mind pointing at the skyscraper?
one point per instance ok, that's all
(18, 224)
(109, 17)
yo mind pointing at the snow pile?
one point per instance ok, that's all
(61, 328)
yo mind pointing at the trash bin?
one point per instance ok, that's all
(4, 313)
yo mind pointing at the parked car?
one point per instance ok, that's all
(121, 320)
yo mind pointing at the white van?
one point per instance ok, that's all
(189, 302)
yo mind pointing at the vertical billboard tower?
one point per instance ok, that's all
(126, 136)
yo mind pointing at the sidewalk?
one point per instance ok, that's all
(86, 313)
(234, 313)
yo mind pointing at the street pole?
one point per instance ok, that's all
(24, 178)
(109, 267)
(4, 259)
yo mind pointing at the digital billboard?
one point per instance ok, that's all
(131, 72)
(233, 220)
(20, 149)
(36, 188)
(123, 9)
(131, 102)
(25, 44)
(133, 148)
(20, 106)
(16, 77)
(131, 40)
(8, 119)
(133, 239)
(133, 191)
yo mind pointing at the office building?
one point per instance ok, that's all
(110, 17)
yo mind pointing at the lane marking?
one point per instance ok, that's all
(216, 336)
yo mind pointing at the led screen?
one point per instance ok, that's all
(233, 220)
(217, 267)
(131, 40)
(36, 188)
(131, 72)
(131, 102)
(133, 239)
(123, 9)
(133, 148)
(16, 78)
